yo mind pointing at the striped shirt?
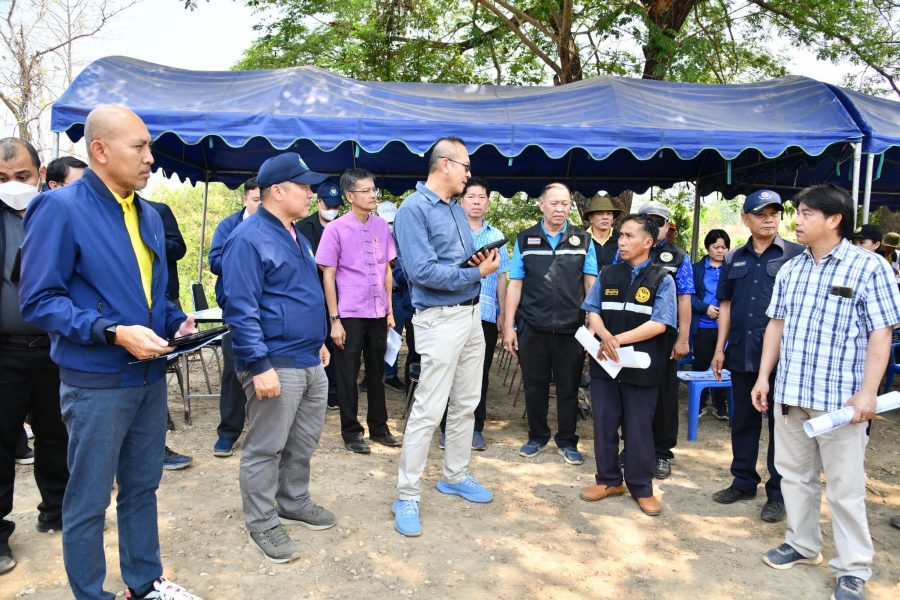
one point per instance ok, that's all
(488, 301)
(828, 310)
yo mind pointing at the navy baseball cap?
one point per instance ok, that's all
(758, 200)
(330, 194)
(287, 167)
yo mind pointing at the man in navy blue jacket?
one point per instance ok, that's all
(276, 310)
(231, 394)
(94, 278)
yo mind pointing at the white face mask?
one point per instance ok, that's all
(329, 214)
(17, 195)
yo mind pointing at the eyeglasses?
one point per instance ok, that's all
(367, 192)
(466, 166)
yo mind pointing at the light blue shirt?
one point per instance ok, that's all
(664, 305)
(489, 307)
(433, 239)
(517, 265)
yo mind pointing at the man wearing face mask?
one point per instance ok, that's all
(29, 381)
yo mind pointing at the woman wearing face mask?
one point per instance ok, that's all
(705, 306)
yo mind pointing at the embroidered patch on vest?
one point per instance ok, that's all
(739, 264)
(575, 240)
(642, 294)
(610, 292)
(666, 257)
(533, 241)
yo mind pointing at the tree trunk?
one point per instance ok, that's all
(667, 17)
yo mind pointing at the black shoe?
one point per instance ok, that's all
(358, 446)
(773, 511)
(49, 525)
(25, 459)
(387, 440)
(731, 495)
(720, 412)
(394, 383)
(895, 521)
(663, 468)
(7, 562)
(332, 404)
(620, 462)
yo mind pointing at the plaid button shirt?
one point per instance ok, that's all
(828, 310)
(489, 308)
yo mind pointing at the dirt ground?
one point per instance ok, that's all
(537, 539)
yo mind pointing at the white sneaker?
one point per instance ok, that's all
(164, 589)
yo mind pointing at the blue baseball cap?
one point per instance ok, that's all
(287, 167)
(330, 194)
(758, 200)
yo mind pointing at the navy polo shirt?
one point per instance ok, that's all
(746, 280)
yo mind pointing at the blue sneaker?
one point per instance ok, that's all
(174, 461)
(468, 488)
(224, 447)
(478, 442)
(849, 588)
(785, 557)
(442, 442)
(531, 448)
(406, 517)
(571, 455)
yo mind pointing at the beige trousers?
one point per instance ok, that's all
(451, 343)
(800, 459)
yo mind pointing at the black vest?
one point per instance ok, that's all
(553, 288)
(668, 256)
(625, 305)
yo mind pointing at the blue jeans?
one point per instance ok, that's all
(113, 433)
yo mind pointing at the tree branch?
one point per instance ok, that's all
(517, 31)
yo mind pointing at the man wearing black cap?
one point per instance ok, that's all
(276, 311)
(868, 237)
(599, 216)
(745, 288)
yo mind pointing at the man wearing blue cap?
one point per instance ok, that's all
(745, 288)
(276, 312)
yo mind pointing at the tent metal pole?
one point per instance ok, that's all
(695, 234)
(857, 159)
(203, 228)
(867, 189)
(55, 144)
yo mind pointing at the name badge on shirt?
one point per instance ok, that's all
(533, 241)
(739, 264)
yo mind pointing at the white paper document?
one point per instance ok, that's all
(838, 418)
(393, 346)
(628, 357)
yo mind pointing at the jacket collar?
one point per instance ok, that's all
(93, 180)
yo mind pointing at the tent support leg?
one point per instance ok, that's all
(203, 229)
(867, 189)
(55, 144)
(857, 159)
(695, 226)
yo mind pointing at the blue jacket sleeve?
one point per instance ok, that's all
(48, 264)
(243, 280)
(698, 306)
(220, 236)
(419, 258)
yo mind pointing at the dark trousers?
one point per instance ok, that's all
(29, 382)
(412, 356)
(546, 357)
(366, 337)
(631, 406)
(232, 401)
(490, 344)
(665, 419)
(745, 431)
(704, 348)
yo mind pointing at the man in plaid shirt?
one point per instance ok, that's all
(832, 311)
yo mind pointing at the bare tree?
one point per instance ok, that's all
(37, 38)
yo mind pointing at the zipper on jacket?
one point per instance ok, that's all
(99, 307)
(149, 326)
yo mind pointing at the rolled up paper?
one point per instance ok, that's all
(833, 420)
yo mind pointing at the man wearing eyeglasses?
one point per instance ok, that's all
(355, 254)
(554, 265)
(435, 239)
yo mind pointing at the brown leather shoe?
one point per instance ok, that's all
(599, 492)
(650, 506)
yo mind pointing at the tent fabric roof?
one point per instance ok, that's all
(604, 133)
(877, 118)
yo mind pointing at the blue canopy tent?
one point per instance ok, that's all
(604, 133)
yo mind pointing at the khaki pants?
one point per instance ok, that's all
(450, 342)
(800, 459)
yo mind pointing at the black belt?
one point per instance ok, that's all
(469, 302)
(30, 341)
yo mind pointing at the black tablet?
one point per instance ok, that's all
(200, 336)
(491, 246)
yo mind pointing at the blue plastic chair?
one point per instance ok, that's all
(893, 367)
(697, 382)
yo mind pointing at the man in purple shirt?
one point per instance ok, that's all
(355, 254)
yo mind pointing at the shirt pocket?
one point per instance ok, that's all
(839, 317)
(292, 323)
(271, 322)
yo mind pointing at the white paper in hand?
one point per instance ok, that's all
(628, 357)
(393, 346)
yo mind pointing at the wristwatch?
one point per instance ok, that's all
(110, 333)
(333, 318)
